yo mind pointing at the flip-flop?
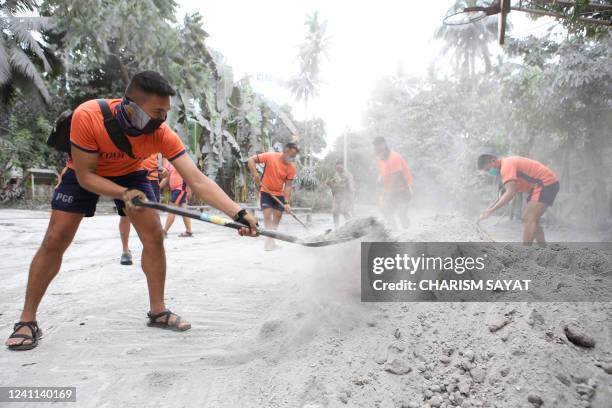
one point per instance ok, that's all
(164, 323)
(186, 234)
(126, 258)
(36, 334)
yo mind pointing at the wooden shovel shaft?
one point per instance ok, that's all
(213, 219)
(224, 222)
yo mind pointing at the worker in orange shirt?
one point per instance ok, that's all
(396, 180)
(97, 166)
(179, 194)
(155, 174)
(521, 175)
(276, 180)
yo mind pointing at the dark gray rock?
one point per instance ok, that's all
(499, 324)
(535, 400)
(577, 335)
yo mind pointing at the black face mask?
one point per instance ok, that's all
(130, 117)
(152, 125)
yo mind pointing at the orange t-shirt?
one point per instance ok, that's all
(387, 168)
(276, 172)
(175, 180)
(527, 173)
(150, 165)
(87, 132)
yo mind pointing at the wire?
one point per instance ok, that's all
(531, 29)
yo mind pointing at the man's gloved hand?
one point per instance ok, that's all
(249, 220)
(129, 195)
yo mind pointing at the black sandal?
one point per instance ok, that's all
(164, 323)
(36, 334)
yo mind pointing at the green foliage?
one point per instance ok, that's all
(25, 147)
(23, 58)
(24, 128)
(584, 18)
(102, 43)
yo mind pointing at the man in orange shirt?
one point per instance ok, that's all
(155, 173)
(278, 174)
(179, 193)
(396, 180)
(98, 167)
(521, 175)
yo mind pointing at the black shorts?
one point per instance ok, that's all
(266, 201)
(546, 194)
(156, 190)
(178, 196)
(69, 196)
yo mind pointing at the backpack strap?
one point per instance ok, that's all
(114, 131)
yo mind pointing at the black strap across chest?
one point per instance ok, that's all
(114, 130)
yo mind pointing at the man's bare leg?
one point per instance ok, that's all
(169, 222)
(539, 235)
(149, 229)
(347, 215)
(124, 232)
(272, 218)
(276, 218)
(187, 221)
(46, 264)
(388, 212)
(403, 216)
(531, 222)
(268, 242)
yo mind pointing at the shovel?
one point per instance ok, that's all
(484, 234)
(337, 237)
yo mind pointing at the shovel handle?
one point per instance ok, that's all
(212, 219)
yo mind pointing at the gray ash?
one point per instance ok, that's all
(355, 229)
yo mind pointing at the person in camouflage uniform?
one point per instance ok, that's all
(343, 191)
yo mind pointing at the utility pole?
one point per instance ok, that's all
(345, 152)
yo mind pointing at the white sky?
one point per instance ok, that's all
(369, 39)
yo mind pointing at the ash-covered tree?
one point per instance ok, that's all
(24, 58)
(468, 44)
(103, 43)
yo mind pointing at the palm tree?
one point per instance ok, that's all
(305, 84)
(468, 43)
(22, 55)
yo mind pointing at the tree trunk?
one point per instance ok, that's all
(595, 153)
(125, 75)
(565, 173)
(485, 55)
